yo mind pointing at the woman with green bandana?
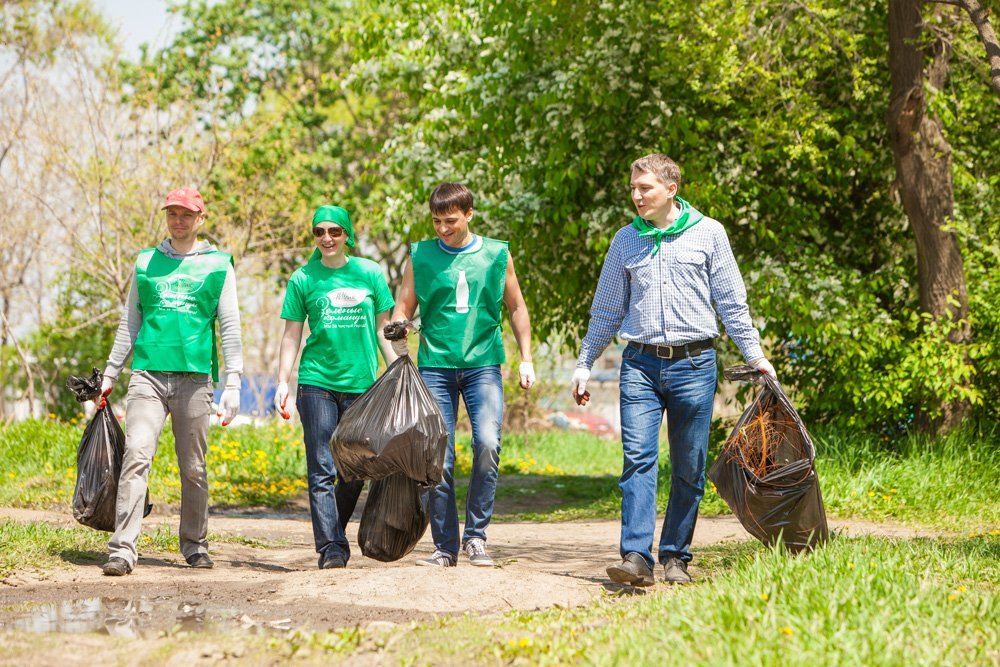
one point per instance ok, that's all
(346, 302)
(668, 278)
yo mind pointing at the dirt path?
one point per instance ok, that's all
(539, 565)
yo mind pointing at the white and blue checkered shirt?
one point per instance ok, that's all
(667, 299)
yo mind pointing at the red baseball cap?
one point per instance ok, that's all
(188, 198)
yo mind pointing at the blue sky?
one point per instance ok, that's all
(140, 21)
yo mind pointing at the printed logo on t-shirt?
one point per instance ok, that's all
(341, 307)
(177, 292)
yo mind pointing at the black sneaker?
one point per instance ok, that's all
(116, 567)
(332, 562)
(675, 571)
(633, 570)
(201, 561)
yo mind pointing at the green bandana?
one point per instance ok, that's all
(338, 216)
(688, 218)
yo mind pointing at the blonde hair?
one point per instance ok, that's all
(661, 166)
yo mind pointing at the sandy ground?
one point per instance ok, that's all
(539, 565)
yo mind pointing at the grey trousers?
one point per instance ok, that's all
(187, 397)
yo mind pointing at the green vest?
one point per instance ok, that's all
(460, 297)
(178, 300)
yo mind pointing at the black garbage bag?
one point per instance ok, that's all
(98, 460)
(394, 427)
(394, 519)
(766, 471)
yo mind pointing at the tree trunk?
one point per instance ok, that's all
(923, 177)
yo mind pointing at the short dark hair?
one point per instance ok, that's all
(449, 197)
(660, 166)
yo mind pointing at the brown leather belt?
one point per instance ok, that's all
(674, 351)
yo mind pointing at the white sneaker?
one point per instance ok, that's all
(475, 549)
(437, 559)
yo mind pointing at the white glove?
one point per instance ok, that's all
(580, 393)
(527, 374)
(281, 400)
(229, 404)
(400, 347)
(107, 386)
(765, 367)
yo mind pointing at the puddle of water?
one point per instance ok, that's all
(136, 618)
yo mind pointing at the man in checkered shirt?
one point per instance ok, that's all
(661, 277)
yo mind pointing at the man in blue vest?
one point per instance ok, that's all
(180, 289)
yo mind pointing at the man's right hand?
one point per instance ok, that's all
(107, 386)
(281, 400)
(396, 333)
(580, 393)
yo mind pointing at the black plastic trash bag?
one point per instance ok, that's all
(394, 427)
(394, 519)
(766, 471)
(98, 460)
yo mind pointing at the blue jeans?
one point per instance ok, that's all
(684, 387)
(482, 390)
(331, 500)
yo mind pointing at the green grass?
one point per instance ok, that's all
(43, 545)
(869, 601)
(947, 482)
(39, 545)
(247, 466)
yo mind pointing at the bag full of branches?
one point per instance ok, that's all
(766, 471)
(98, 460)
(394, 427)
(394, 519)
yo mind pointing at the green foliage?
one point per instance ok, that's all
(775, 112)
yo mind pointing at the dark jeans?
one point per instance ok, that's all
(331, 500)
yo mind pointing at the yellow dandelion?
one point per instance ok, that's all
(525, 642)
(962, 589)
(893, 491)
(12, 474)
(787, 631)
(871, 494)
(764, 597)
(886, 497)
(995, 532)
(952, 597)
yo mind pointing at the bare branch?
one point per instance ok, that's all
(980, 18)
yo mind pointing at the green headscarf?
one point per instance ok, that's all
(338, 216)
(688, 218)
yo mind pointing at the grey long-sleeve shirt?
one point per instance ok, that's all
(228, 312)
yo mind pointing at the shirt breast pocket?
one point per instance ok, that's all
(691, 268)
(640, 271)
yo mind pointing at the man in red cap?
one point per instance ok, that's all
(181, 288)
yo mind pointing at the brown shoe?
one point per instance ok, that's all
(633, 570)
(675, 571)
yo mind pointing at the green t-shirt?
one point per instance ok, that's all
(340, 306)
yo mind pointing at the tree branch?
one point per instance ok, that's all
(980, 19)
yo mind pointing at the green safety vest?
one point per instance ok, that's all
(460, 297)
(178, 300)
